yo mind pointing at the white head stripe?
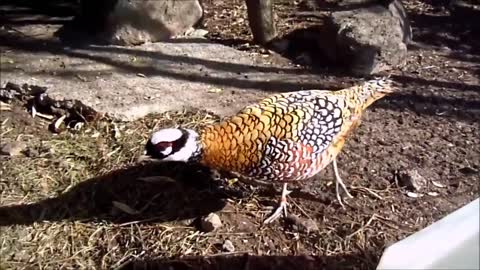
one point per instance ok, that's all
(166, 135)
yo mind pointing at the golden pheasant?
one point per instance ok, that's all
(283, 138)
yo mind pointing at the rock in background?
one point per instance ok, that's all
(359, 37)
(369, 40)
(134, 22)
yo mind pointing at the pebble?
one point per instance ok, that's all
(186, 222)
(228, 246)
(412, 179)
(198, 33)
(31, 152)
(437, 184)
(413, 194)
(468, 170)
(13, 148)
(305, 225)
(210, 223)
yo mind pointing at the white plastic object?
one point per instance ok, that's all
(450, 243)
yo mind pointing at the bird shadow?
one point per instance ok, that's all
(147, 192)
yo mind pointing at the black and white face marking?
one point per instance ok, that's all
(172, 144)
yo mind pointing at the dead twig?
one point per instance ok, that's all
(301, 210)
(371, 192)
(364, 226)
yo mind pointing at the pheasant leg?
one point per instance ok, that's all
(281, 207)
(339, 182)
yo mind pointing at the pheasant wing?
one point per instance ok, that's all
(278, 138)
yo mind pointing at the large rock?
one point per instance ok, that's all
(367, 40)
(133, 22)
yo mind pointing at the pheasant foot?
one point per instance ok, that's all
(338, 183)
(281, 208)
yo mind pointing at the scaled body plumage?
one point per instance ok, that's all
(283, 138)
(287, 137)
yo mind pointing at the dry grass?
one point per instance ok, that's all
(80, 200)
(55, 166)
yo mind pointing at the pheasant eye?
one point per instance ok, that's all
(163, 145)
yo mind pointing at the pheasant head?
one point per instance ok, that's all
(360, 97)
(374, 90)
(173, 144)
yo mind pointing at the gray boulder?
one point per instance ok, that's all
(367, 40)
(134, 22)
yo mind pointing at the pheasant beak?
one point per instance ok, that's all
(387, 90)
(393, 87)
(144, 157)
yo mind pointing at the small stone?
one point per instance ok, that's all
(437, 184)
(228, 246)
(413, 194)
(197, 33)
(32, 152)
(305, 225)
(22, 256)
(13, 148)
(468, 170)
(186, 222)
(412, 179)
(5, 106)
(245, 225)
(210, 222)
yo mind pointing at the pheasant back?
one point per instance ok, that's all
(286, 137)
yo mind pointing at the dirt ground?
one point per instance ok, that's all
(80, 199)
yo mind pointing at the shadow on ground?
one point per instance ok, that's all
(158, 192)
(366, 260)
(442, 30)
(101, 54)
(460, 107)
(427, 31)
(183, 192)
(28, 12)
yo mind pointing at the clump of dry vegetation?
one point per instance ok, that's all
(63, 201)
(80, 200)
